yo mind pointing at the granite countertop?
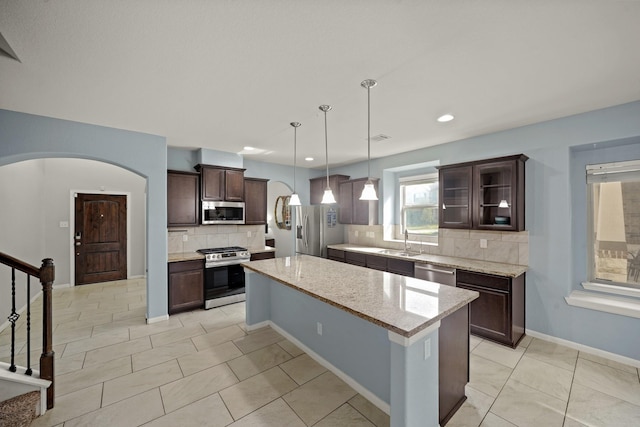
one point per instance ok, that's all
(403, 305)
(184, 256)
(479, 266)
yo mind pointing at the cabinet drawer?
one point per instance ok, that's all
(335, 254)
(177, 267)
(484, 280)
(400, 266)
(355, 258)
(262, 255)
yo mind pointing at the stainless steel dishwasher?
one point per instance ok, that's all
(435, 273)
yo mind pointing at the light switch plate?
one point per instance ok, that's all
(483, 243)
(64, 224)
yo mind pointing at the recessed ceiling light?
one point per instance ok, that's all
(309, 159)
(249, 148)
(445, 118)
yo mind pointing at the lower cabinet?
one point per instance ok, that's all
(335, 254)
(498, 314)
(453, 367)
(262, 255)
(186, 285)
(376, 262)
(355, 258)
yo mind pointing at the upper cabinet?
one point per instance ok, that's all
(255, 192)
(318, 185)
(183, 198)
(455, 196)
(221, 183)
(352, 209)
(483, 195)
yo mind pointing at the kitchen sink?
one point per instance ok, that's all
(397, 253)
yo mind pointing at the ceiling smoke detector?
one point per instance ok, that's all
(380, 137)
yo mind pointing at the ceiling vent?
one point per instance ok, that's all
(380, 137)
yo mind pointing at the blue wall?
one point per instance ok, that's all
(26, 136)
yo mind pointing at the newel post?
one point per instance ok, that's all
(47, 276)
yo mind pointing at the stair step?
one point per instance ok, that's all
(19, 411)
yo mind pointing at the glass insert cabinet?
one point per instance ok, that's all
(484, 194)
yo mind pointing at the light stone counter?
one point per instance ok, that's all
(400, 304)
(499, 269)
(184, 256)
(261, 249)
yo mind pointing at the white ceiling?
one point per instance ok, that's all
(223, 74)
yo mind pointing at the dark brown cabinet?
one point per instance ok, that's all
(455, 197)
(335, 254)
(376, 262)
(483, 195)
(318, 185)
(186, 285)
(352, 209)
(355, 258)
(262, 255)
(221, 183)
(400, 266)
(255, 192)
(499, 313)
(183, 198)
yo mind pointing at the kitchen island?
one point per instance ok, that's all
(378, 331)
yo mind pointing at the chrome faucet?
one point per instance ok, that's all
(406, 236)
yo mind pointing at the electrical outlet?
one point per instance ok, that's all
(64, 224)
(185, 238)
(356, 233)
(427, 349)
(319, 328)
(483, 243)
(248, 234)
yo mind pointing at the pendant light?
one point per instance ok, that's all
(369, 191)
(327, 198)
(295, 199)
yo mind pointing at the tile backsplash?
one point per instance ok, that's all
(214, 236)
(502, 246)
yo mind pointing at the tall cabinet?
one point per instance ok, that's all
(483, 195)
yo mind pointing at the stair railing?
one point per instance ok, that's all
(46, 275)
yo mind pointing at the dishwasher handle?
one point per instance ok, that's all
(435, 270)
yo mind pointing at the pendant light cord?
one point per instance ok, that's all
(295, 143)
(326, 146)
(368, 132)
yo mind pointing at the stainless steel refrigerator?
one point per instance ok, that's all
(316, 227)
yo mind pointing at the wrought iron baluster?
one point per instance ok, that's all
(28, 371)
(13, 318)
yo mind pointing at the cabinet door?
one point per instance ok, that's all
(316, 189)
(183, 198)
(256, 205)
(234, 187)
(376, 262)
(400, 266)
(335, 254)
(455, 197)
(186, 285)
(355, 258)
(365, 212)
(213, 183)
(262, 255)
(490, 313)
(345, 213)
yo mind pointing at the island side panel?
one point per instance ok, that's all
(356, 347)
(414, 382)
(258, 305)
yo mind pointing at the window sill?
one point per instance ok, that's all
(609, 304)
(611, 289)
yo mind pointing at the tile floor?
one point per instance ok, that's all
(202, 368)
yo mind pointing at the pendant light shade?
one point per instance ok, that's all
(327, 198)
(295, 199)
(369, 191)
(503, 204)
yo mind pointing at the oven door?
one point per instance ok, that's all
(223, 281)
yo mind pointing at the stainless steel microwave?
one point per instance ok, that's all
(222, 212)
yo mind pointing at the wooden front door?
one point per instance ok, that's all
(100, 238)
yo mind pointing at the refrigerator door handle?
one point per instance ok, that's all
(306, 231)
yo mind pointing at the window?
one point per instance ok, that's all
(419, 205)
(614, 222)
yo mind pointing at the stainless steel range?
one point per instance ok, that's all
(223, 275)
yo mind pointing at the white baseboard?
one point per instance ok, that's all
(585, 348)
(62, 286)
(382, 405)
(157, 319)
